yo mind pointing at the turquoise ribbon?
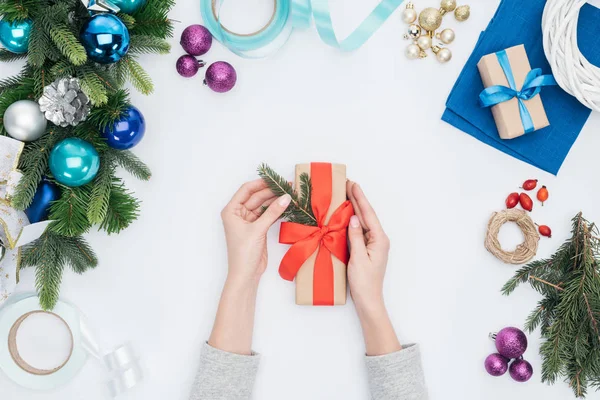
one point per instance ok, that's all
(290, 14)
(534, 81)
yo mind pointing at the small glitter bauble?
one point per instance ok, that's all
(196, 40)
(430, 19)
(496, 364)
(187, 66)
(414, 32)
(447, 36)
(424, 42)
(511, 342)
(520, 370)
(462, 13)
(220, 77)
(448, 5)
(409, 15)
(412, 52)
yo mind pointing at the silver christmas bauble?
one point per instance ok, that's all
(414, 31)
(24, 121)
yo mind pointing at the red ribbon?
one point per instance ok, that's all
(329, 238)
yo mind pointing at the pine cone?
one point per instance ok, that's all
(64, 103)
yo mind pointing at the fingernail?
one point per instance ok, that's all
(354, 222)
(284, 200)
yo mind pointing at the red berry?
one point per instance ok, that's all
(512, 200)
(542, 194)
(526, 202)
(530, 184)
(545, 230)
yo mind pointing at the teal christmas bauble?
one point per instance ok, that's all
(14, 36)
(129, 6)
(74, 162)
(105, 38)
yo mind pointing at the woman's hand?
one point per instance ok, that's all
(369, 248)
(246, 229)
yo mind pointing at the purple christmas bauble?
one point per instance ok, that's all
(220, 77)
(496, 364)
(196, 40)
(187, 66)
(520, 370)
(511, 342)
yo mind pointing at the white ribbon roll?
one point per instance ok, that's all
(122, 364)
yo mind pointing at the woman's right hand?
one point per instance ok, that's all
(369, 248)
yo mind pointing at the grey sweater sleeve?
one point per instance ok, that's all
(224, 376)
(397, 376)
(227, 376)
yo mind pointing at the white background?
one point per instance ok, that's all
(433, 186)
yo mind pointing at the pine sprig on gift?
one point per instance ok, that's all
(569, 313)
(55, 51)
(300, 210)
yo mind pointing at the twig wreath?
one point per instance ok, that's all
(526, 250)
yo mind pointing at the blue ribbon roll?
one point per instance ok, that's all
(534, 81)
(290, 14)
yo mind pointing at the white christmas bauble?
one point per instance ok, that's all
(409, 15)
(424, 42)
(447, 36)
(24, 121)
(413, 51)
(444, 55)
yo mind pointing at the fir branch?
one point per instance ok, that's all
(127, 20)
(69, 213)
(148, 44)
(131, 163)
(8, 56)
(569, 313)
(100, 194)
(113, 109)
(298, 210)
(92, 85)
(68, 44)
(34, 164)
(122, 210)
(39, 41)
(137, 76)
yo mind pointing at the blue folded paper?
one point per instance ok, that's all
(518, 22)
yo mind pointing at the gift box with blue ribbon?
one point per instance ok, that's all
(513, 91)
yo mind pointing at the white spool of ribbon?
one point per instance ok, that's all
(122, 364)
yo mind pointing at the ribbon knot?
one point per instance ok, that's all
(328, 238)
(532, 86)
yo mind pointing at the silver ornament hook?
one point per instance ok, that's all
(492, 336)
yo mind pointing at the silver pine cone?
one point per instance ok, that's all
(64, 103)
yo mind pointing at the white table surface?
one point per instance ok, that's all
(433, 186)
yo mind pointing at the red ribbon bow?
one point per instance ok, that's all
(328, 238)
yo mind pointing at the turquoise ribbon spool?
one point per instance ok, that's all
(288, 15)
(534, 81)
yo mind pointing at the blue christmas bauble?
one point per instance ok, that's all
(46, 193)
(14, 36)
(127, 131)
(105, 38)
(129, 6)
(74, 162)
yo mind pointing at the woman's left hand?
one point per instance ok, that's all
(246, 229)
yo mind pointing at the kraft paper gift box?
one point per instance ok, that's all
(507, 114)
(320, 273)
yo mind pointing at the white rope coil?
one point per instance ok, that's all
(573, 72)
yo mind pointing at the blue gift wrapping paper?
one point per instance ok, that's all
(519, 22)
